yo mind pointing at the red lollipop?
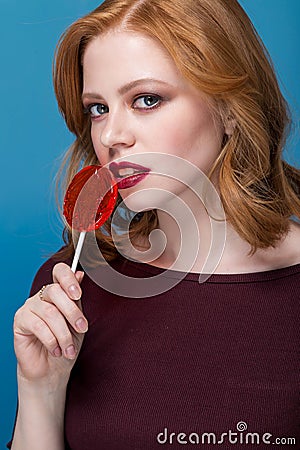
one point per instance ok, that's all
(89, 201)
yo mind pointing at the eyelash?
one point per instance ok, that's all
(158, 101)
(88, 110)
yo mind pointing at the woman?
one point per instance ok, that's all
(198, 363)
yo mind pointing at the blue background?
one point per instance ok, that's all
(33, 139)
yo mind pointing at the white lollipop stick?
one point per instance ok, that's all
(78, 251)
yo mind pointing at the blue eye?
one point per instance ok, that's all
(147, 102)
(97, 110)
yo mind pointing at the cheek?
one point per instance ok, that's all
(94, 140)
(98, 148)
(185, 128)
(198, 139)
(170, 137)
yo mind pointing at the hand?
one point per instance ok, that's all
(48, 332)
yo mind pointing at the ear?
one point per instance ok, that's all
(230, 124)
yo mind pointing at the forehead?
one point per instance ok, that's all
(127, 55)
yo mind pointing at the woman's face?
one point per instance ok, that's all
(140, 107)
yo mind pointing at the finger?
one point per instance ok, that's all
(79, 276)
(55, 295)
(63, 275)
(57, 324)
(27, 324)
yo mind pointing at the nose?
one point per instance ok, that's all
(117, 132)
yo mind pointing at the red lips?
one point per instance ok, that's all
(128, 174)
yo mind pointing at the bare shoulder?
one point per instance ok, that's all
(285, 254)
(295, 228)
(289, 248)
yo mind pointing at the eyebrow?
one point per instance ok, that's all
(127, 87)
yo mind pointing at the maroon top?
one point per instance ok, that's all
(199, 358)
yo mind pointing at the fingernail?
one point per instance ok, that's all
(70, 352)
(81, 325)
(74, 292)
(81, 275)
(57, 352)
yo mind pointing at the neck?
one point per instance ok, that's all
(187, 243)
(228, 256)
(188, 238)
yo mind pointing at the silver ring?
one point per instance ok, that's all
(41, 291)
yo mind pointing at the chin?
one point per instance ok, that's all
(145, 199)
